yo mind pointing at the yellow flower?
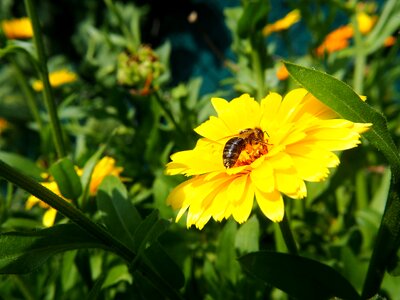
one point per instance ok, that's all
(18, 28)
(283, 24)
(365, 22)
(292, 142)
(50, 215)
(106, 166)
(56, 78)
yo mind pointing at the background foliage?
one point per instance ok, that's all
(204, 49)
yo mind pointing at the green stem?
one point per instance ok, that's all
(288, 235)
(24, 289)
(360, 58)
(78, 217)
(28, 95)
(386, 245)
(64, 207)
(44, 76)
(258, 65)
(361, 190)
(168, 113)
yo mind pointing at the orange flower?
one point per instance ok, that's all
(389, 41)
(3, 125)
(18, 28)
(336, 40)
(339, 38)
(282, 73)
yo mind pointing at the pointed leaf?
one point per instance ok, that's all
(67, 180)
(156, 257)
(342, 99)
(118, 213)
(22, 252)
(22, 164)
(248, 235)
(300, 277)
(149, 231)
(226, 253)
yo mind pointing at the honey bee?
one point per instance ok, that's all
(235, 145)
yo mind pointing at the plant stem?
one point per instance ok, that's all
(78, 217)
(360, 58)
(386, 245)
(168, 114)
(288, 235)
(64, 207)
(28, 95)
(44, 76)
(257, 64)
(24, 289)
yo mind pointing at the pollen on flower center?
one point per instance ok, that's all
(253, 151)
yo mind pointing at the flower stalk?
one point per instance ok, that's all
(79, 218)
(28, 95)
(386, 245)
(257, 59)
(44, 76)
(288, 235)
(360, 58)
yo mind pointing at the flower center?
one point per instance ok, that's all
(253, 150)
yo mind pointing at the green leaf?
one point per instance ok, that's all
(247, 236)
(15, 47)
(116, 274)
(342, 99)
(87, 173)
(118, 214)
(156, 257)
(149, 230)
(23, 252)
(67, 180)
(298, 276)
(226, 254)
(253, 19)
(22, 164)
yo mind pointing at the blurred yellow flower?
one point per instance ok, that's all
(56, 78)
(365, 22)
(50, 215)
(106, 166)
(284, 23)
(282, 73)
(17, 28)
(258, 150)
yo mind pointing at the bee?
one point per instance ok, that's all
(235, 145)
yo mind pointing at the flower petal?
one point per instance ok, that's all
(49, 217)
(243, 112)
(242, 194)
(271, 205)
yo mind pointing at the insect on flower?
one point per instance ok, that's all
(250, 139)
